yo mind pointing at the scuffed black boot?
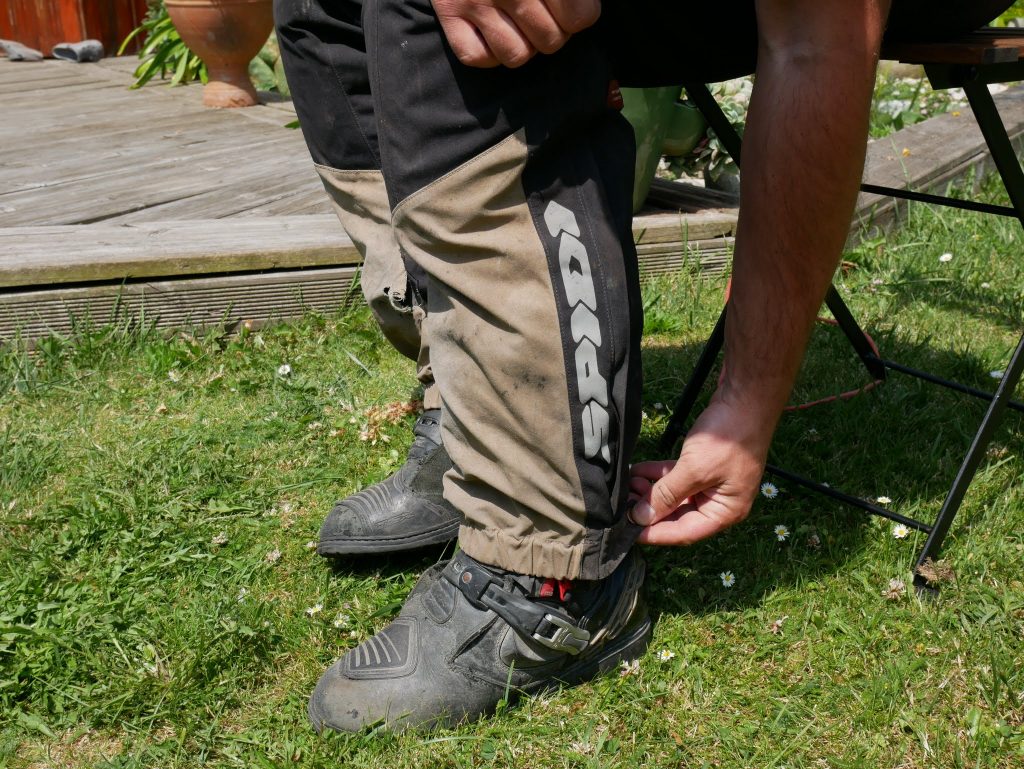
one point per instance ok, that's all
(403, 512)
(470, 633)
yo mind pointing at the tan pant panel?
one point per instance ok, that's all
(499, 363)
(360, 200)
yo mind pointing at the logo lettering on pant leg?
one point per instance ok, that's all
(578, 281)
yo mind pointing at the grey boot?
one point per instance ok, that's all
(470, 635)
(403, 512)
(84, 51)
(18, 52)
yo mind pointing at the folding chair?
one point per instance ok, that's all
(970, 62)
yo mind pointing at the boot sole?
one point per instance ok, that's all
(628, 647)
(383, 545)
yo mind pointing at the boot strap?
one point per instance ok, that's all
(539, 623)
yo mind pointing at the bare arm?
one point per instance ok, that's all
(803, 156)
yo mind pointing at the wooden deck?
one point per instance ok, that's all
(78, 147)
(118, 201)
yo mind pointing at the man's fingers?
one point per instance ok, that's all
(653, 470)
(503, 36)
(467, 42)
(667, 494)
(683, 527)
(510, 32)
(639, 486)
(482, 35)
(535, 21)
(574, 15)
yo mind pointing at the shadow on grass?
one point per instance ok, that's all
(904, 440)
(390, 564)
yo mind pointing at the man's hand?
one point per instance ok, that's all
(710, 487)
(486, 33)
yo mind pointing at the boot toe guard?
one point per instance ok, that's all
(388, 515)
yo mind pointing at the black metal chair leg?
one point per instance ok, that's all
(1010, 171)
(972, 460)
(854, 333)
(701, 96)
(677, 423)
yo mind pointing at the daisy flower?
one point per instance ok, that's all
(781, 533)
(311, 545)
(284, 370)
(883, 500)
(273, 556)
(315, 609)
(814, 541)
(728, 578)
(996, 374)
(947, 257)
(895, 590)
(900, 531)
(629, 668)
(769, 490)
(665, 655)
(242, 593)
(219, 539)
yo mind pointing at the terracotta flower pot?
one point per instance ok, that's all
(226, 35)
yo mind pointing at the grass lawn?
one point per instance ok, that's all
(160, 604)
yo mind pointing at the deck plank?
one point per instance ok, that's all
(52, 255)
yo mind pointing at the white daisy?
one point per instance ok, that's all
(883, 500)
(284, 370)
(273, 556)
(769, 490)
(895, 590)
(242, 593)
(947, 257)
(781, 533)
(629, 668)
(996, 374)
(665, 655)
(814, 541)
(219, 539)
(315, 609)
(311, 545)
(728, 578)
(900, 531)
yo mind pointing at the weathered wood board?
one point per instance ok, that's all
(258, 298)
(199, 302)
(52, 256)
(71, 254)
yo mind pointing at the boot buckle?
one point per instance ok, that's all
(567, 637)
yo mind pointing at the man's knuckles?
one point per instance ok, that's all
(576, 17)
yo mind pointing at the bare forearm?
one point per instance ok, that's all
(803, 156)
